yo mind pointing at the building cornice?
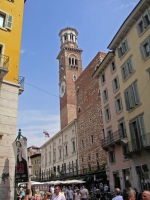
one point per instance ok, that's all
(69, 49)
(128, 23)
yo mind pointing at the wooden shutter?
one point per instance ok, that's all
(123, 73)
(142, 52)
(132, 134)
(143, 137)
(113, 85)
(9, 20)
(144, 22)
(148, 13)
(126, 100)
(117, 107)
(118, 85)
(148, 40)
(138, 29)
(123, 47)
(119, 53)
(126, 44)
(130, 65)
(136, 93)
(103, 97)
(131, 97)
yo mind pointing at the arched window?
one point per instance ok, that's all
(65, 37)
(79, 109)
(76, 61)
(69, 61)
(72, 61)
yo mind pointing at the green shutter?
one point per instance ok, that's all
(142, 52)
(130, 65)
(126, 100)
(9, 20)
(109, 113)
(123, 47)
(126, 69)
(138, 29)
(136, 93)
(113, 85)
(116, 105)
(144, 22)
(106, 116)
(133, 143)
(131, 97)
(148, 13)
(119, 53)
(127, 45)
(123, 73)
(148, 40)
(117, 78)
(143, 137)
(103, 97)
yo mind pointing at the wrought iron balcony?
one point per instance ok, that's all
(137, 145)
(21, 83)
(4, 64)
(115, 138)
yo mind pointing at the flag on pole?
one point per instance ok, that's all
(46, 133)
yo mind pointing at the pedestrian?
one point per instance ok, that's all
(77, 195)
(117, 194)
(129, 194)
(97, 193)
(84, 193)
(57, 195)
(27, 194)
(69, 193)
(146, 195)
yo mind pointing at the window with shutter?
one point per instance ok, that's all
(6, 20)
(112, 67)
(131, 95)
(115, 84)
(118, 104)
(123, 48)
(127, 69)
(107, 114)
(144, 23)
(145, 49)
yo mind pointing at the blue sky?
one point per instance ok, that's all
(96, 21)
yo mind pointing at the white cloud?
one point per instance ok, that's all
(33, 122)
(122, 6)
(22, 50)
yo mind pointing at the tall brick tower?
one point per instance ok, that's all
(70, 67)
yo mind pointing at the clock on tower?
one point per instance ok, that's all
(70, 67)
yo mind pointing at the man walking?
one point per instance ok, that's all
(117, 194)
(84, 193)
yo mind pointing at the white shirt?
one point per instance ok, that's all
(119, 197)
(52, 190)
(59, 197)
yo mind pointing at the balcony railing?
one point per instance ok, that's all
(21, 83)
(4, 64)
(113, 138)
(138, 144)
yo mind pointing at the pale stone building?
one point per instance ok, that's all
(11, 85)
(126, 99)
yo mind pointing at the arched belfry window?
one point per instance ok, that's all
(71, 37)
(76, 61)
(69, 61)
(65, 37)
(73, 63)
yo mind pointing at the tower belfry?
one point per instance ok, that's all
(70, 67)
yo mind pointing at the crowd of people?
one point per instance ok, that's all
(82, 193)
